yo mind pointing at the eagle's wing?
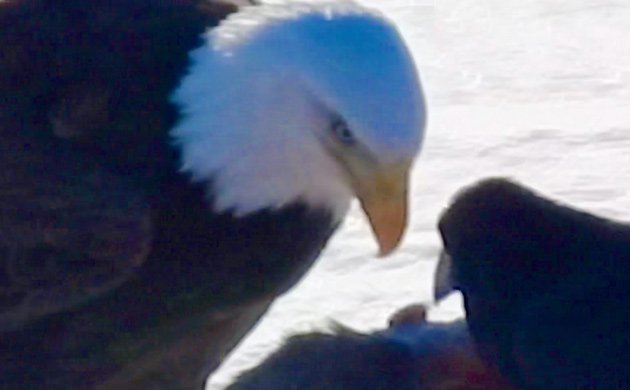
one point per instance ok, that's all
(69, 229)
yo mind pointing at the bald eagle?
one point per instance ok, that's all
(170, 166)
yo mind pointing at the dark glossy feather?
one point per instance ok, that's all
(544, 286)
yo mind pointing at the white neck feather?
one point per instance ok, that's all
(254, 134)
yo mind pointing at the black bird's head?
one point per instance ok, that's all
(496, 242)
(504, 243)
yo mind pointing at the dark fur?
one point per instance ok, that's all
(346, 361)
(544, 286)
(407, 356)
(113, 270)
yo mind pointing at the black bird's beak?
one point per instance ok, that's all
(444, 280)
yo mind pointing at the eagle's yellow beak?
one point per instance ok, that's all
(383, 197)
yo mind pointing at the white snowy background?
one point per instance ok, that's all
(536, 90)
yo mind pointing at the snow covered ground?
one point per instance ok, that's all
(537, 90)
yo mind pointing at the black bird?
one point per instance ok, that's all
(544, 286)
(411, 354)
(167, 170)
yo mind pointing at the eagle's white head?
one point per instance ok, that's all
(315, 102)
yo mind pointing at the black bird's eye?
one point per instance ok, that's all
(342, 132)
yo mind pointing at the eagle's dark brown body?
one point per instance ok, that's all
(114, 273)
